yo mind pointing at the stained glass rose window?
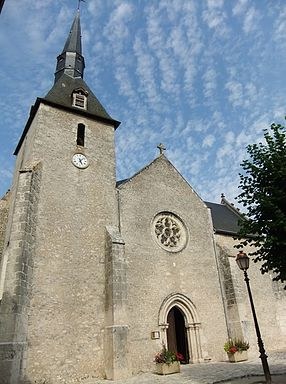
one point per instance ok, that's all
(170, 232)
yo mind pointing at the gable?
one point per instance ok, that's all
(158, 191)
(160, 172)
(225, 218)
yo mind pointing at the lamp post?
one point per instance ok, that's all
(243, 263)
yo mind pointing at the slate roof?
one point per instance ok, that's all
(73, 43)
(67, 78)
(61, 94)
(225, 218)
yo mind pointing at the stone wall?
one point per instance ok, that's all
(116, 318)
(155, 274)
(229, 294)
(16, 276)
(4, 209)
(269, 299)
(66, 318)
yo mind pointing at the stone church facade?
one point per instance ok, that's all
(97, 273)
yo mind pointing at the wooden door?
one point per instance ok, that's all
(177, 334)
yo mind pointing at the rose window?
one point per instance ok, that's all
(170, 232)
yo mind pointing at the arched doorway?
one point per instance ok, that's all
(178, 312)
(177, 334)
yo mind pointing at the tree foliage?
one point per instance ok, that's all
(263, 186)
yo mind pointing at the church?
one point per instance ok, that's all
(97, 273)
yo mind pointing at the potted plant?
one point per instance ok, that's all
(167, 362)
(236, 350)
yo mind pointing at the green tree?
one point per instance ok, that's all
(263, 186)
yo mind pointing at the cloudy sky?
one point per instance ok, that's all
(204, 77)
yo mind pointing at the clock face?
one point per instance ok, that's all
(80, 160)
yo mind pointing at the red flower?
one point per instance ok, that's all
(233, 349)
(180, 357)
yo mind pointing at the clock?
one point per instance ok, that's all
(80, 160)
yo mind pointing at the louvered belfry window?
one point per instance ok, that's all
(79, 99)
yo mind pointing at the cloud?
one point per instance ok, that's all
(117, 27)
(95, 7)
(215, 3)
(210, 83)
(146, 74)
(208, 141)
(125, 83)
(229, 137)
(176, 49)
(240, 7)
(251, 20)
(216, 18)
(204, 78)
(280, 27)
(235, 93)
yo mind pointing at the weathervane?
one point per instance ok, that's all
(78, 5)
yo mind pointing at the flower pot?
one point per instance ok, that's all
(237, 356)
(167, 369)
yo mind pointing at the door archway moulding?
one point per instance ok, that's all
(192, 323)
(181, 301)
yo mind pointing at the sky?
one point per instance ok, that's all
(203, 77)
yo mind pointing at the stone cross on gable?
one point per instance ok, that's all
(161, 148)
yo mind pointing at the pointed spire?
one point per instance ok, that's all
(73, 43)
(71, 61)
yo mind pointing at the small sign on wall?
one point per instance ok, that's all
(155, 335)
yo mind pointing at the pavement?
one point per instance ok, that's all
(215, 372)
(280, 379)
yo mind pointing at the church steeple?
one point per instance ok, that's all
(71, 61)
(71, 92)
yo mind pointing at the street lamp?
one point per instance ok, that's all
(243, 262)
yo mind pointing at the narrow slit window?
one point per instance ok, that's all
(80, 135)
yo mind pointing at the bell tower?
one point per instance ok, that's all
(53, 273)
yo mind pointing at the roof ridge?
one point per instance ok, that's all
(230, 205)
